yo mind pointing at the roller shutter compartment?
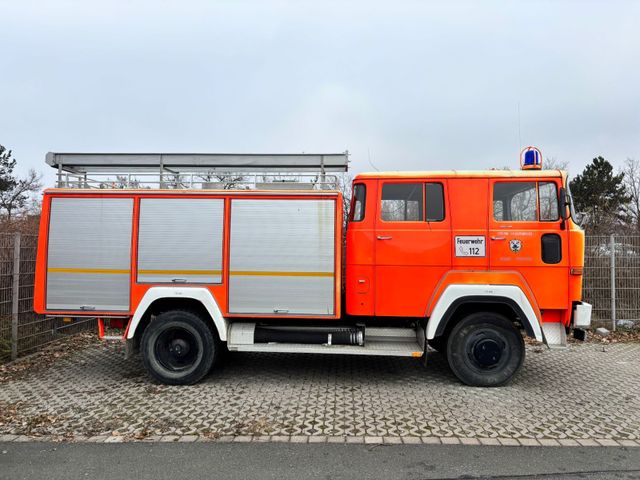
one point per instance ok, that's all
(180, 240)
(89, 254)
(282, 259)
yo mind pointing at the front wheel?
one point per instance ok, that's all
(439, 344)
(485, 350)
(179, 348)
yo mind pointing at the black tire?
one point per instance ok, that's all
(439, 344)
(485, 350)
(179, 347)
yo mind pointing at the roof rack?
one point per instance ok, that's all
(198, 170)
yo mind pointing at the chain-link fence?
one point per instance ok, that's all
(612, 279)
(611, 285)
(22, 330)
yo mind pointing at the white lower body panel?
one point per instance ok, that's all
(382, 348)
(555, 335)
(391, 342)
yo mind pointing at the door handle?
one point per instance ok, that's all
(382, 237)
(498, 238)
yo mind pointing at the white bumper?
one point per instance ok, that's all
(582, 315)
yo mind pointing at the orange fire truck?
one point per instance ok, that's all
(465, 262)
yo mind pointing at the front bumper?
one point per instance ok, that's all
(582, 315)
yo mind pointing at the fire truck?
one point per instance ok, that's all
(206, 258)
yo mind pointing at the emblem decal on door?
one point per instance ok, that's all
(515, 245)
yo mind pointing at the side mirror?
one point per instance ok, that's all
(563, 204)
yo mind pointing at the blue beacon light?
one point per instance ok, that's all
(531, 159)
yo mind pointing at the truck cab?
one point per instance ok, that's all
(437, 246)
(409, 233)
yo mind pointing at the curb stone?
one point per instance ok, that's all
(431, 440)
(335, 440)
(532, 442)
(405, 440)
(319, 439)
(354, 440)
(509, 442)
(372, 440)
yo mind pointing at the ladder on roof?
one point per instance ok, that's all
(224, 171)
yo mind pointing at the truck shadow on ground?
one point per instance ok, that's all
(235, 366)
(327, 368)
(541, 368)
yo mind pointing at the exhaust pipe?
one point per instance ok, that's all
(321, 336)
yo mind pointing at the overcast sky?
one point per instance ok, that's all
(403, 85)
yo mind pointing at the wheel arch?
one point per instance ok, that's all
(158, 299)
(508, 300)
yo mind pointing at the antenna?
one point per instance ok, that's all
(519, 135)
(370, 162)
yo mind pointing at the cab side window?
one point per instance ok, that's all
(549, 210)
(518, 201)
(402, 202)
(435, 202)
(358, 202)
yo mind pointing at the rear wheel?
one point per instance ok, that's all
(179, 348)
(485, 350)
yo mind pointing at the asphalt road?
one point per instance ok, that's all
(282, 461)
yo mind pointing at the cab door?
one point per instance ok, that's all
(526, 235)
(412, 244)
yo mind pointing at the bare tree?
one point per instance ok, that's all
(16, 196)
(551, 163)
(631, 181)
(173, 181)
(343, 185)
(121, 182)
(229, 181)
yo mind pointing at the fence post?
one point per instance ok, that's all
(15, 296)
(612, 246)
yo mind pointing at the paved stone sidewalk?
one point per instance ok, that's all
(579, 396)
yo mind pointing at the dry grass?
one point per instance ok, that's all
(46, 357)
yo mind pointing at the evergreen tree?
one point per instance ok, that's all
(601, 194)
(7, 164)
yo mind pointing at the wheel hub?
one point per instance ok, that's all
(487, 352)
(179, 348)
